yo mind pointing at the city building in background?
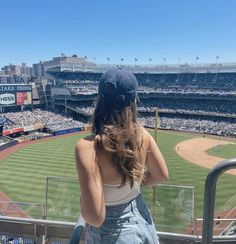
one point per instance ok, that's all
(12, 69)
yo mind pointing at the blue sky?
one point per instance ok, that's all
(38, 30)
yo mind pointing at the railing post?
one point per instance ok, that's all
(209, 197)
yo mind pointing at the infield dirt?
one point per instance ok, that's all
(194, 151)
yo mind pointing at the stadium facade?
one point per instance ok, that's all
(81, 64)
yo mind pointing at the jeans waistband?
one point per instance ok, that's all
(136, 204)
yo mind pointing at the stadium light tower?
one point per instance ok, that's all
(150, 60)
(121, 60)
(164, 70)
(164, 64)
(178, 76)
(217, 57)
(218, 64)
(197, 58)
(135, 61)
(108, 60)
(164, 61)
(217, 68)
(178, 61)
(85, 60)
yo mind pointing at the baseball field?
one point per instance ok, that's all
(26, 168)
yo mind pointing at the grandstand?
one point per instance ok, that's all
(202, 102)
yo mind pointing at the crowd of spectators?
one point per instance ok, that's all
(184, 120)
(196, 83)
(217, 102)
(193, 124)
(216, 81)
(68, 124)
(48, 119)
(208, 106)
(168, 119)
(75, 82)
(85, 110)
(85, 89)
(183, 96)
(92, 88)
(184, 90)
(182, 106)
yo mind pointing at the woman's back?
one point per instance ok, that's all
(109, 172)
(113, 163)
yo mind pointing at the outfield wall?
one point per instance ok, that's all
(67, 131)
(8, 144)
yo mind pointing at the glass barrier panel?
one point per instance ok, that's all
(62, 199)
(172, 207)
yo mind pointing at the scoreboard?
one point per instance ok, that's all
(15, 95)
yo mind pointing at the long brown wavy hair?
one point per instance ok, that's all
(118, 132)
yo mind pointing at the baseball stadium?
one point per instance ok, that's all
(190, 110)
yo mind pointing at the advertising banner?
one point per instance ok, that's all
(23, 98)
(61, 132)
(7, 99)
(12, 131)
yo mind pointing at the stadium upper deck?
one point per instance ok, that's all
(82, 65)
(209, 82)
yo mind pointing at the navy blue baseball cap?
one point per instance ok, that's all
(118, 86)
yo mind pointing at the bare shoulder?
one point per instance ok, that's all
(85, 143)
(145, 132)
(146, 136)
(85, 151)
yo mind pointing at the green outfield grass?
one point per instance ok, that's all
(223, 151)
(23, 177)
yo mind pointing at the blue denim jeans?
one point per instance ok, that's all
(129, 223)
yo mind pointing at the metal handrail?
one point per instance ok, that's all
(21, 227)
(41, 222)
(209, 197)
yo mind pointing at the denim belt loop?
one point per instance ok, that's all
(134, 205)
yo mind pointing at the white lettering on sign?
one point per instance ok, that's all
(7, 88)
(7, 98)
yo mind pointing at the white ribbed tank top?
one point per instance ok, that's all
(115, 195)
